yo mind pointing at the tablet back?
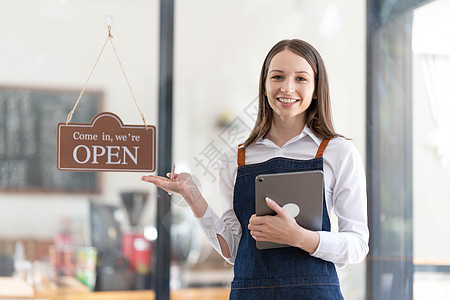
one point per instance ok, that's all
(299, 192)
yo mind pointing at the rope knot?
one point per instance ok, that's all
(109, 32)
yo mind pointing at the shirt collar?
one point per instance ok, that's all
(306, 132)
(314, 137)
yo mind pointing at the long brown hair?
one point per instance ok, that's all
(318, 114)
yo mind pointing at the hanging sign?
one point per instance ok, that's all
(106, 144)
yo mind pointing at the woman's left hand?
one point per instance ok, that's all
(282, 229)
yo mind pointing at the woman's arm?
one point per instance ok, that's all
(211, 224)
(348, 199)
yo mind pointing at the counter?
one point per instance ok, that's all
(13, 288)
(183, 294)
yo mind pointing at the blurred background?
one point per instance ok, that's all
(388, 67)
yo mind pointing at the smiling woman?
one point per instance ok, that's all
(294, 123)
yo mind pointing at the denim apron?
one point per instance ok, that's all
(281, 273)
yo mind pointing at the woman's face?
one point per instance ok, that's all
(289, 85)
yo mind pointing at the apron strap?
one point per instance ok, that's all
(322, 147)
(241, 155)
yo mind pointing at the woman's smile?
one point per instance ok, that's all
(287, 101)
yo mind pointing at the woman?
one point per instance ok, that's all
(293, 132)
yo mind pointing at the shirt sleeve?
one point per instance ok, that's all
(227, 225)
(350, 243)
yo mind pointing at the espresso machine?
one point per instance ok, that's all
(112, 268)
(134, 246)
(124, 255)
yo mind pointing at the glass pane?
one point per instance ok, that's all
(47, 51)
(431, 95)
(52, 46)
(389, 159)
(219, 50)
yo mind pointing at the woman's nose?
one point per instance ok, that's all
(288, 87)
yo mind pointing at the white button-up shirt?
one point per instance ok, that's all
(345, 196)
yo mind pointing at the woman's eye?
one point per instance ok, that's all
(277, 77)
(301, 79)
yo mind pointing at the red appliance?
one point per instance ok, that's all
(138, 251)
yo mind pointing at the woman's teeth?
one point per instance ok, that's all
(287, 100)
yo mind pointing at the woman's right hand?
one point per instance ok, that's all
(181, 184)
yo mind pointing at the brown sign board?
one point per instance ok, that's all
(106, 144)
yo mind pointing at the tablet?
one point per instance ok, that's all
(301, 193)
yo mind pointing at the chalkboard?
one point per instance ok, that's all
(28, 119)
